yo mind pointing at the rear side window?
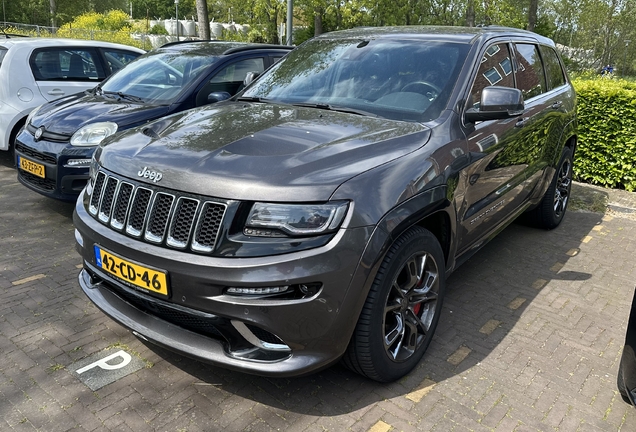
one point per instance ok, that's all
(116, 59)
(495, 69)
(553, 70)
(66, 65)
(530, 77)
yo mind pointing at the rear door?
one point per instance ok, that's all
(64, 71)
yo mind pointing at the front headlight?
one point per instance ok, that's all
(295, 219)
(93, 134)
(33, 112)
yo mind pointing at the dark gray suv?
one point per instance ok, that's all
(315, 216)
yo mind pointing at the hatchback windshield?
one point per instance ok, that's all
(158, 77)
(408, 80)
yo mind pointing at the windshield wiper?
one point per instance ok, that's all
(337, 108)
(123, 95)
(254, 99)
(97, 90)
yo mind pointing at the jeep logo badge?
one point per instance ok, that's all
(151, 175)
(38, 133)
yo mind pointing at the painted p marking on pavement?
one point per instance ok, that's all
(98, 370)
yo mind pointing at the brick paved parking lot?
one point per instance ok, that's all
(529, 340)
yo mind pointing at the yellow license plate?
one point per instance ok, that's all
(32, 167)
(132, 273)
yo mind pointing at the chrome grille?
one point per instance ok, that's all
(156, 216)
(138, 211)
(159, 217)
(121, 207)
(182, 223)
(208, 227)
(107, 199)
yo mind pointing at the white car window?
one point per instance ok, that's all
(65, 64)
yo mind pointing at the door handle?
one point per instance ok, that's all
(557, 105)
(521, 122)
(56, 92)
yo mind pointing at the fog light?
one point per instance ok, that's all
(77, 163)
(309, 289)
(257, 291)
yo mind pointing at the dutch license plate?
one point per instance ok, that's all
(132, 273)
(32, 167)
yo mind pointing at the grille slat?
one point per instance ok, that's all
(163, 218)
(35, 154)
(158, 220)
(42, 183)
(121, 206)
(107, 200)
(182, 222)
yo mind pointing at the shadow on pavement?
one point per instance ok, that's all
(492, 289)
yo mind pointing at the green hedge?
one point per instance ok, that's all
(606, 152)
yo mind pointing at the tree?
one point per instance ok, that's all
(204, 21)
(532, 14)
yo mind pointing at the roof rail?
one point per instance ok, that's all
(179, 42)
(258, 46)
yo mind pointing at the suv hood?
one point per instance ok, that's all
(65, 116)
(259, 151)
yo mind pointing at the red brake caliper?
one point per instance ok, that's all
(416, 309)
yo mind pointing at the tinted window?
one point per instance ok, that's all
(553, 68)
(236, 72)
(495, 69)
(118, 59)
(407, 80)
(65, 65)
(530, 78)
(230, 78)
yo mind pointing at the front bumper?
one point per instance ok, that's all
(264, 336)
(61, 181)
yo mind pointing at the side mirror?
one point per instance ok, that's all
(218, 96)
(251, 76)
(497, 103)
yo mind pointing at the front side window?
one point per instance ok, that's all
(530, 77)
(408, 80)
(494, 69)
(117, 59)
(66, 65)
(230, 78)
(236, 72)
(160, 77)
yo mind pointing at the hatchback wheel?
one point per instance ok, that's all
(402, 309)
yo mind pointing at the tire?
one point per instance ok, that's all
(14, 134)
(622, 390)
(551, 210)
(401, 312)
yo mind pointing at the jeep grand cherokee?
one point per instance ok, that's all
(316, 215)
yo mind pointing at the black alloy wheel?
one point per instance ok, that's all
(402, 309)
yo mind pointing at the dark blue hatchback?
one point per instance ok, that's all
(54, 150)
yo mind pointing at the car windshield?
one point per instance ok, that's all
(158, 77)
(409, 80)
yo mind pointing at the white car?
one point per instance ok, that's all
(38, 70)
